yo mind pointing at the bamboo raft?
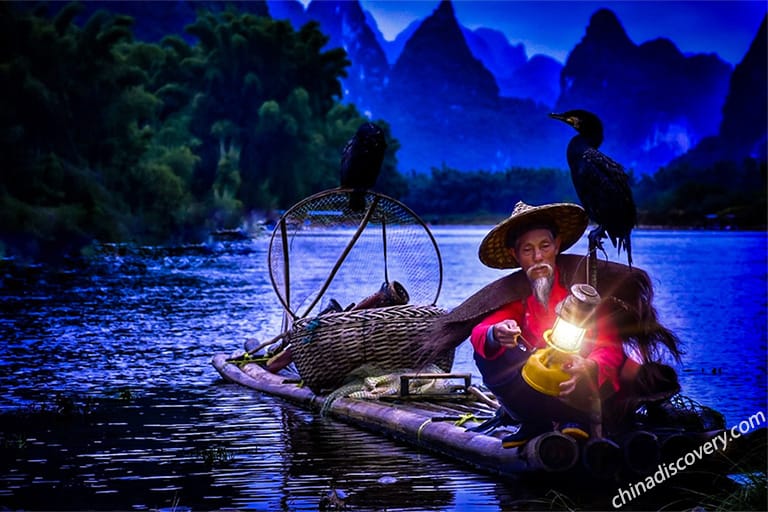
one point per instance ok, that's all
(328, 347)
(440, 424)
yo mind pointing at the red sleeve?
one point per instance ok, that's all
(608, 353)
(510, 311)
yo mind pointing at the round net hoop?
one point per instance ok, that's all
(323, 251)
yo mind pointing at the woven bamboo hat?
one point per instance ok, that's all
(568, 219)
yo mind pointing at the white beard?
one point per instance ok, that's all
(542, 286)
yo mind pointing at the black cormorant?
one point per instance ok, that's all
(600, 182)
(361, 163)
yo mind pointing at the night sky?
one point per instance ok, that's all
(555, 27)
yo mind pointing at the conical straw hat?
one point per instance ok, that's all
(570, 220)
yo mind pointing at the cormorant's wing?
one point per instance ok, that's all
(362, 159)
(603, 188)
(346, 173)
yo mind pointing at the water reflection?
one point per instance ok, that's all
(133, 333)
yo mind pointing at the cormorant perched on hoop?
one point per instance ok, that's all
(361, 163)
(600, 182)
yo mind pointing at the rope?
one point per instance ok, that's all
(458, 423)
(465, 418)
(246, 358)
(371, 384)
(421, 428)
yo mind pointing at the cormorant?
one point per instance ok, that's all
(600, 182)
(361, 163)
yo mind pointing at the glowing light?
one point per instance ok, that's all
(544, 369)
(566, 336)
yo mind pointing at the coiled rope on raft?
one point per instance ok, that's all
(371, 383)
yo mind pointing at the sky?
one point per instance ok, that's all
(555, 27)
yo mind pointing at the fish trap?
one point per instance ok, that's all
(325, 256)
(327, 348)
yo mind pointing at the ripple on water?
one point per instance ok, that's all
(115, 404)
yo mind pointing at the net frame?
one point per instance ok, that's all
(373, 200)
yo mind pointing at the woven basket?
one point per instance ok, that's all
(327, 348)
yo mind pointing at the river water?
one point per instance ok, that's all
(110, 402)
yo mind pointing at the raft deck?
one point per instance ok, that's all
(436, 423)
(439, 424)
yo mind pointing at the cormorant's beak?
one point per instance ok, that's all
(566, 119)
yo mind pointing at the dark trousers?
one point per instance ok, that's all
(522, 402)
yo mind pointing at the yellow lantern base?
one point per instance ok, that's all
(543, 371)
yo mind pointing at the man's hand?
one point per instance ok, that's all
(506, 333)
(583, 374)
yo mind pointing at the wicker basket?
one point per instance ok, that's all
(327, 348)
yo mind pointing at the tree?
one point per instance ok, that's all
(272, 87)
(73, 127)
(104, 138)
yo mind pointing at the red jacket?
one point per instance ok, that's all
(606, 349)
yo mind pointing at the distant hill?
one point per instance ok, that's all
(347, 27)
(743, 130)
(445, 106)
(437, 61)
(516, 76)
(656, 102)
(471, 100)
(393, 49)
(538, 78)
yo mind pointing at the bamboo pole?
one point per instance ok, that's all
(344, 254)
(551, 451)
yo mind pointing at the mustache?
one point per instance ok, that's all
(540, 266)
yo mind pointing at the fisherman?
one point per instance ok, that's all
(506, 319)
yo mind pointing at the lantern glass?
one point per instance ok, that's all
(543, 370)
(567, 336)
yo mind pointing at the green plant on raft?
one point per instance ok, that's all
(752, 495)
(749, 470)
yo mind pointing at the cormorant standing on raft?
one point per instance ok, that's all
(600, 182)
(361, 163)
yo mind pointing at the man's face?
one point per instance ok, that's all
(535, 247)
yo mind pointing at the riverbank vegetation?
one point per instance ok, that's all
(107, 139)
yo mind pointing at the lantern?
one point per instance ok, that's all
(544, 369)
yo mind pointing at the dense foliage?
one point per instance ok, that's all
(449, 194)
(104, 138)
(725, 194)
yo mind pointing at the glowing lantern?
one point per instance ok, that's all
(544, 369)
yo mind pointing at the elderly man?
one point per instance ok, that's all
(506, 320)
(531, 238)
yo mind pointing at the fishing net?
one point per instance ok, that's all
(321, 251)
(683, 412)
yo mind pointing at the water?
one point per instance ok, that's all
(110, 401)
